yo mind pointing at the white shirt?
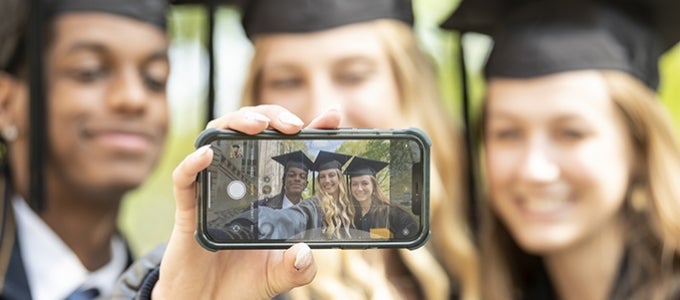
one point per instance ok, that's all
(52, 269)
(286, 202)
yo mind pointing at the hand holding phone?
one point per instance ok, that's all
(189, 271)
(343, 188)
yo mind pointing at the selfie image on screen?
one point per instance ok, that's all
(314, 190)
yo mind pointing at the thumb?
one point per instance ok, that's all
(297, 267)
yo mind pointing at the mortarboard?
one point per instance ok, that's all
(298, 16)
(535, 38)
(149, 11)
(13, 19)
(364, 166)
(329, 160)
(296, 159)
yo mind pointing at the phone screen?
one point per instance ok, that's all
(343, 190)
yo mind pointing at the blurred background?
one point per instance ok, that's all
(148, 212)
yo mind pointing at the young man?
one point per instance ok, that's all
(295, 171)
(106, 68)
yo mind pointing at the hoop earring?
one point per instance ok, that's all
(9, 133)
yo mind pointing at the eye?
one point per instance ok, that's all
(505, 134)
(153, 84)
(570, 134)
(155, 75)
(352, 78)
(88, 74)
(284, 83)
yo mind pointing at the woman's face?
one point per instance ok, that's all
(108, 114)
(329, 181)
(558, 159)
(346, 68)
(361, 187)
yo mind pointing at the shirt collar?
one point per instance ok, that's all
(53, 271)
(286, 203)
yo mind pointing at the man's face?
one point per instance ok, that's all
(108, 114)
(295, 181)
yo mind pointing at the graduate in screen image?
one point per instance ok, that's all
(296, 169)
(373, 211)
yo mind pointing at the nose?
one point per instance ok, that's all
(539, 163)
(324, 95)
(127, 93)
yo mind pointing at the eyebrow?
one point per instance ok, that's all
(86, 46)
(285, 66)
(160, 54)
(355, 59)
(99, 48)
(562, 117)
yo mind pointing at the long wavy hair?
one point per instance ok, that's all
(652, 225)
(449, 260)
(338, 211)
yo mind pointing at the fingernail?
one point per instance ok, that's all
(303, 258)
(290, 119)
(256, 117)
(202, 150)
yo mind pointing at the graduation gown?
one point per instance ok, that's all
(398, 222)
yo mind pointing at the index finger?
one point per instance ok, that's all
(255, 119)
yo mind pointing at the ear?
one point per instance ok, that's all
(8, 92)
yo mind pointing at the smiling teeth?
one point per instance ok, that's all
(544, 205)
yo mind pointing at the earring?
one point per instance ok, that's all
(638, 198)
(9, 133)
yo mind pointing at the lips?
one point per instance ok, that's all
(295, 186)
(544, 207)
(360, 196)
(122, 137)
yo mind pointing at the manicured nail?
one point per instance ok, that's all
(303, 258)
(256, 117)
(290, 119)
(202, 150)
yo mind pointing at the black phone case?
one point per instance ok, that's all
(422, 180)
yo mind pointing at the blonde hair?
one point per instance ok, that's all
(653, 230)
(450, 258)
(338, 211)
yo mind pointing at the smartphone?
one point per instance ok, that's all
(342, 188)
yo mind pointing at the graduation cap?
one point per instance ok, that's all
(329, 160)
(149, 11)
(363, 166)
(299, 16)
(40, 14)
(535, 38)
(296, 159)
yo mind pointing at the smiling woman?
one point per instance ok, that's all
(580, 156)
